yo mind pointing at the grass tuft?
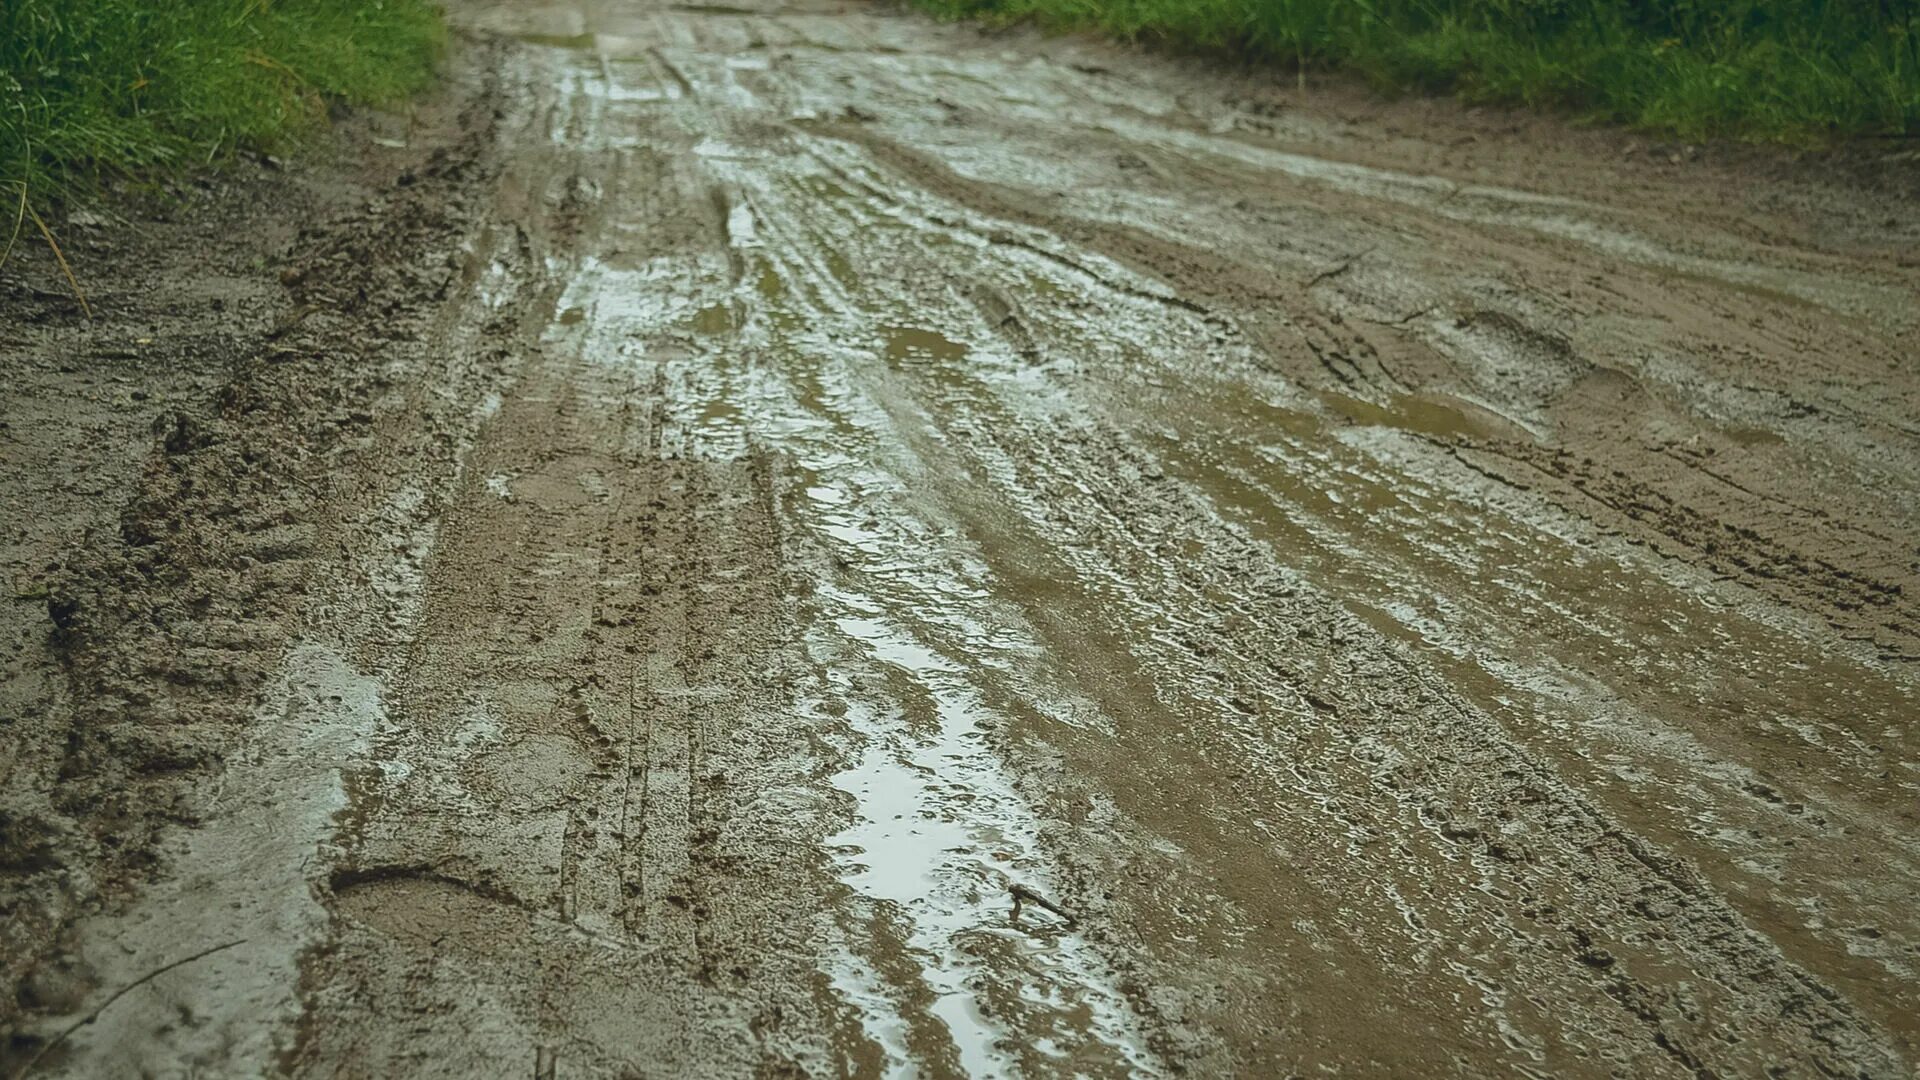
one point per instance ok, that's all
(91, 89)
(1795, 71)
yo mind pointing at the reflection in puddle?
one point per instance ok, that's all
(771, 348)
(940, 836)
(943, 839)
(922, 831)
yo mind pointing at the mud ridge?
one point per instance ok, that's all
(168, 621)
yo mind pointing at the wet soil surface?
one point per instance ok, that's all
(803, 541)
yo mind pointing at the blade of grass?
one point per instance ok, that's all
(61, 258)
(19, 219)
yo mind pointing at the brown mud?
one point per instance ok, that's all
(803, 541)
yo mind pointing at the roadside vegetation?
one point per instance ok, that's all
(91, 89)
(1774, 70)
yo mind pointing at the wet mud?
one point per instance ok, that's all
(885, 550)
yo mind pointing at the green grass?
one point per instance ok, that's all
(1797, 71)
(138, 88)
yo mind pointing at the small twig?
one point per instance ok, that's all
(1022, 893)
(117, 995)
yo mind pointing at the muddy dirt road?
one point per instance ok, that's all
(802, 541)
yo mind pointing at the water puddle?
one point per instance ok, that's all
(942, 841)
(914, 344)
(1406, 412)
(777, 344)
(239, 906)
(714, 319)
(944, 846)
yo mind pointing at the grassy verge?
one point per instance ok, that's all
(95, 88)
(1773, 70)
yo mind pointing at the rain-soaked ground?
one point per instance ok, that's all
(996, 556)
